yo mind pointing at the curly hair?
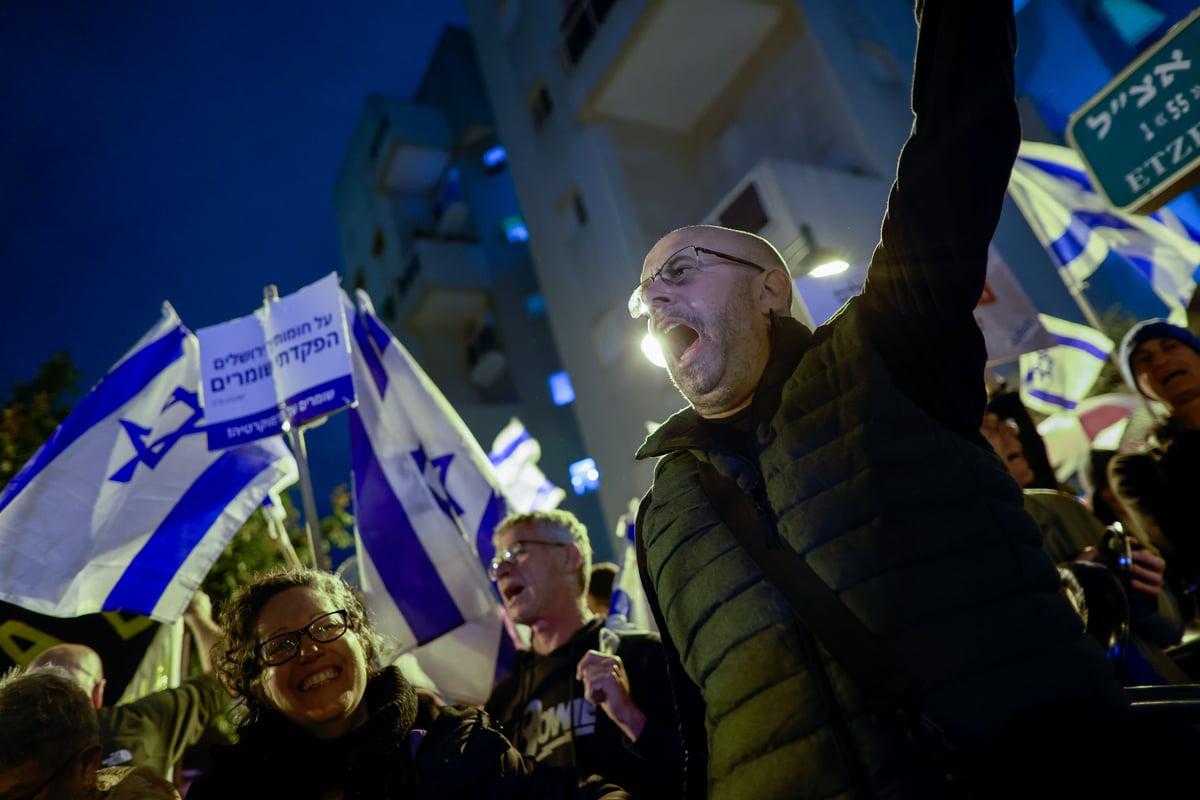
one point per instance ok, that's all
(237, 665)
(44, 717)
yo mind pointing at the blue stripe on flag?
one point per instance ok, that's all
(1052, 398)
(1061, 171)
(160, 559)
(371, 356)
(1082, 344)
(507, 452)
(381, 335)
(1067, 247)
(115, 389)
(408, 574)
(1100, 219)
(497, 509)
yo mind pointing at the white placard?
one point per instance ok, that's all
(287, 362)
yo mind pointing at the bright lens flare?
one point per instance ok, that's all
(829, 268)
(653, 352)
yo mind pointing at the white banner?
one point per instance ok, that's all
(287, 362)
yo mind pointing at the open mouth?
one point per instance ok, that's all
(1172, 376)
(318, 679)
(679, 339)
(511, 591)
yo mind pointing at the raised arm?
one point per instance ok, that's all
(929, 267)
(927, 273)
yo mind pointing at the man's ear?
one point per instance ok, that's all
(574, 557)
(98, 692)
(776, 291)
(90, 764)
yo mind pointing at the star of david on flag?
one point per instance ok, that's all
(1058, 377)
(124, 508)
(427, 502)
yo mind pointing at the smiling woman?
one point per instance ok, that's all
(300, 652)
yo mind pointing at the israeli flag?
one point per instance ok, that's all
(124, 508)
(427, 502)
(628, 606)
(1059, 377)
(1080, 230)
(514, 455)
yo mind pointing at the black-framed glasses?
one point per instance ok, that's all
(515, 552)
(30, 794)
(284, 647)
(676, 270)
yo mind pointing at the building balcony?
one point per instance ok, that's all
(675, 64)
(443, 285)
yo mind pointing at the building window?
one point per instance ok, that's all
(494, 159)
(540, 105)
(584, 476)
(746, 212)
(562, 392)
(579, 26)
(535, 305)
(514, 229)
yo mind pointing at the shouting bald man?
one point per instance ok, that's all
(831, 475)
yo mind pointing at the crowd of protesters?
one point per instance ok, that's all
(859, 591)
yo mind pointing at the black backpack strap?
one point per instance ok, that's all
(875, 667)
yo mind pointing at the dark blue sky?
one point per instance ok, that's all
(181, 152)
(177, 151)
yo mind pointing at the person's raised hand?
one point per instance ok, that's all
(606, 684)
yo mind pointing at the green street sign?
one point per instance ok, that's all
(1140, 136)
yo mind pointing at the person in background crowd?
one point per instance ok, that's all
(857, 448)
(155, 730)
(1007, 405)
(600, 587)
(321, 719)
(1071, 532)
(1157, 487)
(570, 700)
(50, 744)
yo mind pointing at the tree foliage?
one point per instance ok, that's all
(31, 412)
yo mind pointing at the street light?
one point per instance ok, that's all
(805, 258)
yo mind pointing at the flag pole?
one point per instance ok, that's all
(295, 435)
(278, 533)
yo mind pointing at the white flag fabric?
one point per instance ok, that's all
(1006, 315)
(1059, 377)
(1098, 422)
(1080, 230)
(124, 508)
(514, 455)
(628, 604)
(426, 504)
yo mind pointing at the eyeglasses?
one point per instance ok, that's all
(677, 271)
(54, 776)
(516, 551)
(284, 647)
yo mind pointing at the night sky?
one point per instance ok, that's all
(179, 152)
